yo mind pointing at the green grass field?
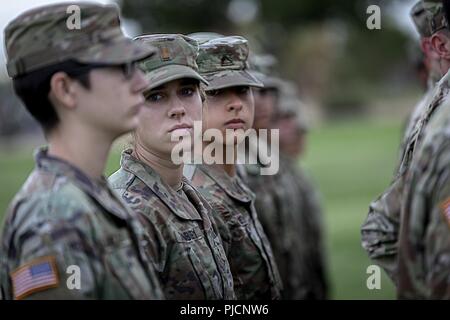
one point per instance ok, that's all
(350, 161)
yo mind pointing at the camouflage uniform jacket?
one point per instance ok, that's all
(424, 241)
(299, 204)
(289, 211)
(187, 250)
(62, 218)
(381, 227)
(252, 263)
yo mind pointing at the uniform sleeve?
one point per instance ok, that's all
(51, 258)
(437, 241)
(379, 232)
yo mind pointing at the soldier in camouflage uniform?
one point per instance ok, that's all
(229, 106)
(300, 245)
(381, 228)
(421, 19)
(424, 240)
(66, 218)
(187, 250)
(267, 188)
(287, 202)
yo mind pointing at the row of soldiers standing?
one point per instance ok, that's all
(219, 231)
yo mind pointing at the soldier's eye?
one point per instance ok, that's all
(187, 91)
(242, 90)
(213, 93)
(153, 97)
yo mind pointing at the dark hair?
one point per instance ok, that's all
(33, 89)
(446, 5)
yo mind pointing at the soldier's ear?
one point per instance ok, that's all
(62, 91)
(428, 49)
(440, 42)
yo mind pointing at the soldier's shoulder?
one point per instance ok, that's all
(59, 203)
(49, 198)
(62, 213)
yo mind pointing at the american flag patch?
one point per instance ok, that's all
(445, 209)
(34, 276)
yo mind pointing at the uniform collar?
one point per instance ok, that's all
(233, 186)
(163, 191)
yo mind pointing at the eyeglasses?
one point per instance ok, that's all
(128, 69)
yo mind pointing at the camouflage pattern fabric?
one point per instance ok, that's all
(252, 263)
(421, 19)
(186, 249)
(380, 230)
(41, 37)
(424, 244)
(289, 211)
(223, 63)
(174, 60)
(62, 218)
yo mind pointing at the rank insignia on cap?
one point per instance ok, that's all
(37, 275)
(164, 53)
(445, 209)
(226, 61)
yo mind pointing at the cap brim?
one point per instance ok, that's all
(267, 81)
(119, 51)
(171, 72)
(231, 78)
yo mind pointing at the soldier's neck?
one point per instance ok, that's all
(85, 149)
(170, 173)
(228, 161)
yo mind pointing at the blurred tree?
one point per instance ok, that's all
(323, 45)
(183, 16)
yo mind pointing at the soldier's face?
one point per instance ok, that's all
(113, 101)
(292, 139)
(230, 108)
(265, 101)
(170, 109)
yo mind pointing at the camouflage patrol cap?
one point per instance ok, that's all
(421, 19)
(223, 63)
(290, 105)
(262, 66)
(203, 37)
(174, 60)
(437, 17)
(49, 35)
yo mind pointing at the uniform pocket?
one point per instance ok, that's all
(200, 265)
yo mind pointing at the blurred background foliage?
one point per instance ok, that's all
(324, 46)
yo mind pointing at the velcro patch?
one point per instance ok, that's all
(164, 53)
(445, 209)
(36, 275)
